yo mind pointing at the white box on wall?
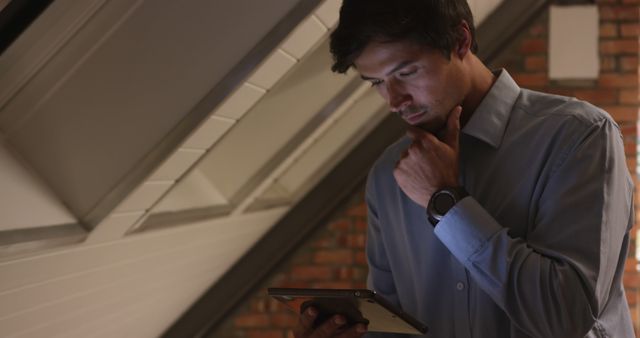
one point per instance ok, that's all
(573, 42)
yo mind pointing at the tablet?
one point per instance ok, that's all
(356, 305)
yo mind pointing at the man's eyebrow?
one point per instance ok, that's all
(393, 70)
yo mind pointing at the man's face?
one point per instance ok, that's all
(419, 84)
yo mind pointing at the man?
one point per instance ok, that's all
(504, 212)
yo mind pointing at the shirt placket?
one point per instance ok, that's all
(460, 285)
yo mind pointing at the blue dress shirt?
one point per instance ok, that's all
(537, 249)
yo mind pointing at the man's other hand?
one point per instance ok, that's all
(334, 327)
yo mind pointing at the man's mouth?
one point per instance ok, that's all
(413, 117)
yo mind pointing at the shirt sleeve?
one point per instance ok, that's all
(556, 280)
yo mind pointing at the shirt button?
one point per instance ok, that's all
(460, 286)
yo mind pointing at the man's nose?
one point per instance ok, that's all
(398, 98)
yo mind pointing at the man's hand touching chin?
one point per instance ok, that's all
(430, 163)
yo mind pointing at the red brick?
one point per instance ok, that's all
(333, 285)
(312, 273)
(608, 30)
(631, 279)
(359, 210)
(352, 274)
(630, 30)
(560, 91)
(259, 305)
(630, 96)
(361, 225)
(631, 164)
(324, 243)
(252, 320)
(295, 284)
(531, 80)
(630, 266)
(276, 306)
(355, 240)
(360, 285)
(631, 1)
(620, 46)
(338, 256)
(284, 320)
(265, 334)
(341, 225)
(361, 258)
(622, 113)
(608, 63)
(534, 45)
(598, 96)
(632, 296)
(618, 80)
(629, 130)
(538, 30)
(630, 149)
(535, 63)
(629, 63)
(619, 13)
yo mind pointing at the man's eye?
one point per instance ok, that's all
(375, 83)
(407, 73)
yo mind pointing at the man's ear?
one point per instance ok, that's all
(464, 40)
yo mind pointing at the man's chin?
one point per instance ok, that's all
(433, 126)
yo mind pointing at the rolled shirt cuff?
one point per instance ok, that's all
(466, 228)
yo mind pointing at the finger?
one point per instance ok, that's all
(404, 154)
(430, 142)
(305, 322)
(452, 134)
(415, 149)
(354, 331)
(329, 327)
(414, 133)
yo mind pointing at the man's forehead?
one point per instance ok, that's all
(382, 57)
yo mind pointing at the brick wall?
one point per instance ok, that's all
(334, 255)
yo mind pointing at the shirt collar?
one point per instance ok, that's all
(489, 121)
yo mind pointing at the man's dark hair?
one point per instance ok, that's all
(432, 23)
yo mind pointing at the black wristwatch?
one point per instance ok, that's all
(442, 201)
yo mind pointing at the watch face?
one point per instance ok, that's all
(443, 202)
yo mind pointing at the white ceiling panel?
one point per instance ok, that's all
(271, 125)
(209, 133)
(176, 165)
(144, 196)
(482, 8)
(328, 12)
(237, 104)
(194, 191)
(26, 201)
(307, 34)
(334, 143)
(272, 69)
(132, 66)
(113, 227)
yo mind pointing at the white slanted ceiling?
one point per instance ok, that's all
(92, 88)
(26, 202)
